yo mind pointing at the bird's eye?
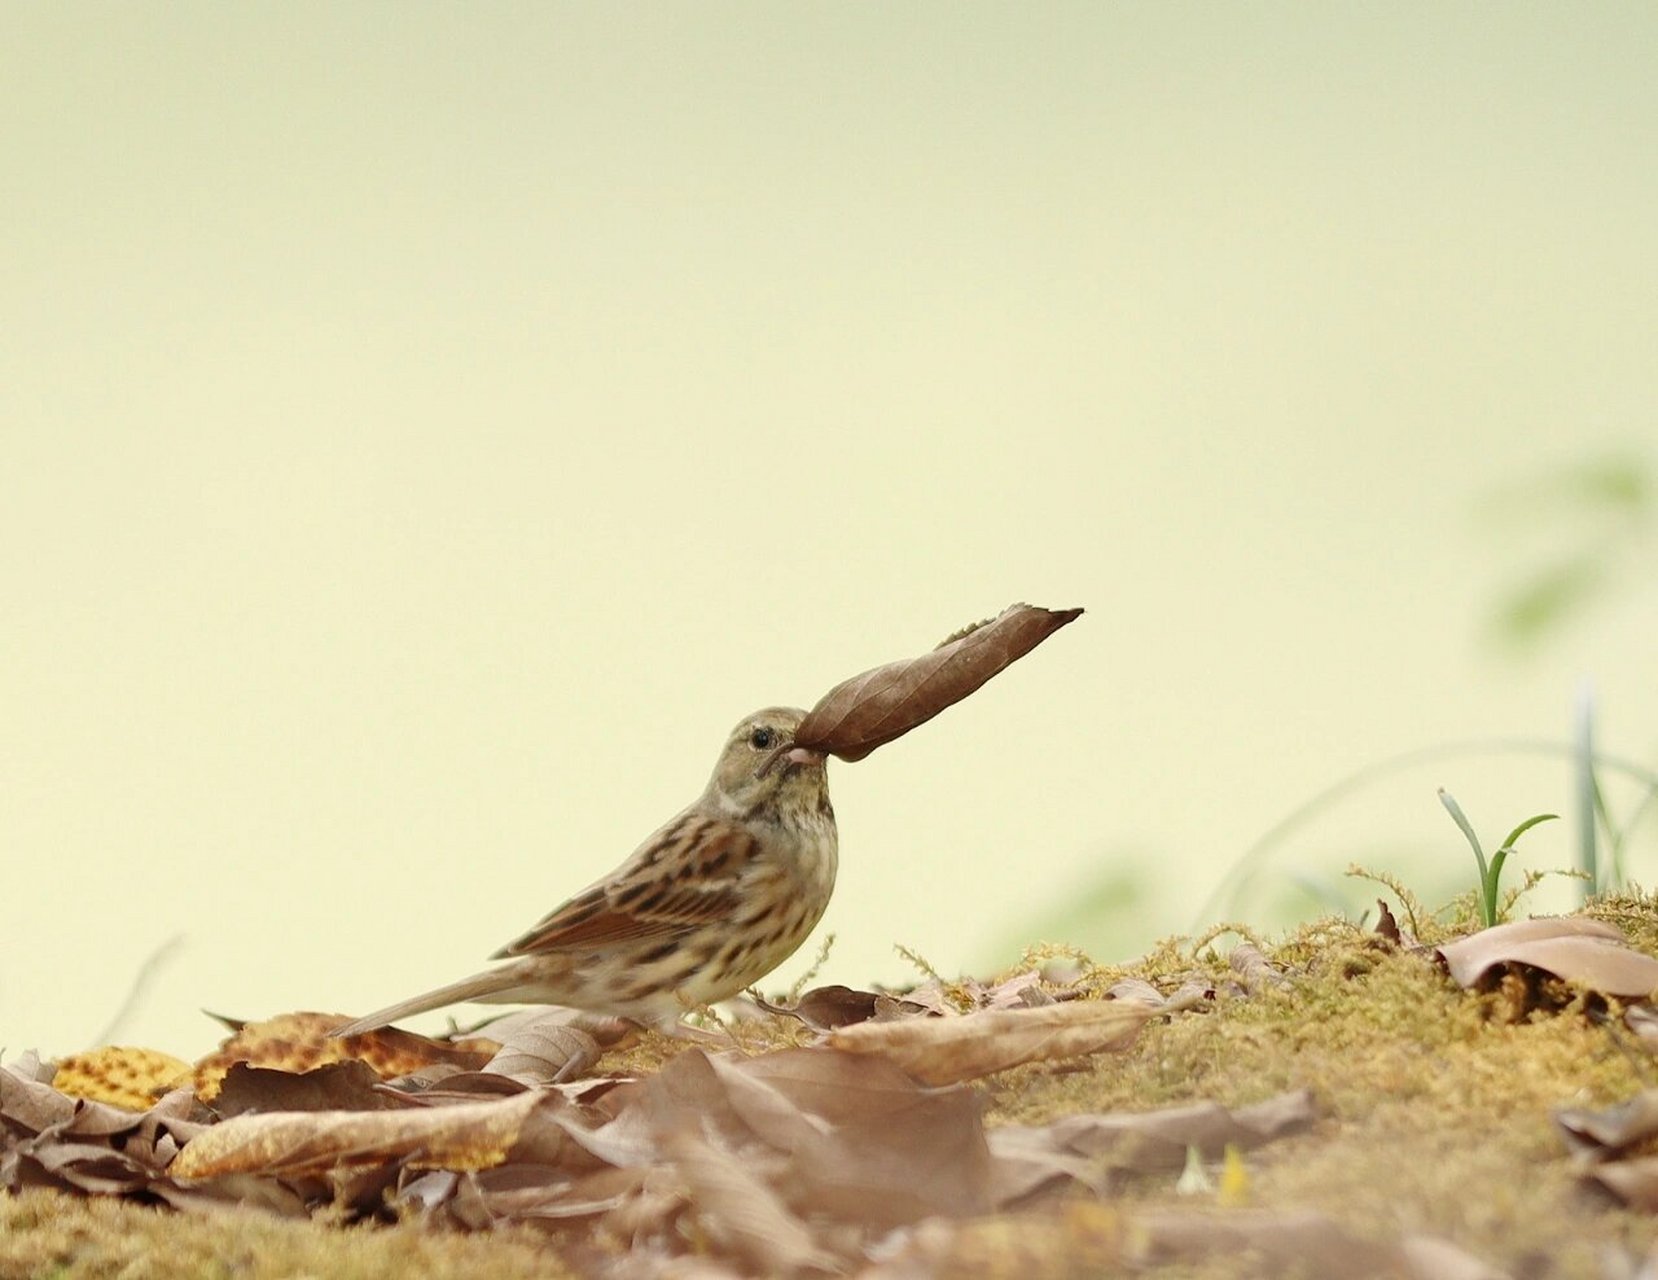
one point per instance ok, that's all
(761, 739)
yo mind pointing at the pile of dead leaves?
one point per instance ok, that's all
(864, 1147)
(842, 1134)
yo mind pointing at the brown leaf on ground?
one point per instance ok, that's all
(1601, 1134)
(1634, 1182)
(120, 1075)
(1077, 1239)
(336, 1086)
(1136, 991)
(299, 1042)
(549, 1045)
(933, 996)
(1587, 953)
(1305, 1241)
(848, 1137)
(1642, 1019)
(863, 1141)
(825, 1008)
(1255, 971)
(1386, 926)
(92, 1167)
(1087, 1148)
(1018, 991)
(949, 1050)
(872, 709)
(50, 1139)
(35, 1106)
(468, 1135)
(740, 1211)
(547, 1194)
(788, 1162)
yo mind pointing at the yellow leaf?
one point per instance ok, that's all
(120, 1075)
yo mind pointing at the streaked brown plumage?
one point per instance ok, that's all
(706, 906)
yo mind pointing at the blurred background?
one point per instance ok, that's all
(425, 429)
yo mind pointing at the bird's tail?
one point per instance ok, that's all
(502, 984)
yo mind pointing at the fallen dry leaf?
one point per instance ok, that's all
(949, 1050)
(48, 1138)
(467, 1135)
(847, 1137)
(120, 1075)
(548, 1044)
(1087, 1148)
(1642, 1019)
(335, 1086)
(1018, 991)
(1136, 991)
(1082, 1238)
(865, 1142)
(1634, 1182)
(738, 1209)
(825, 1008)
(35, 1106)
(1254, 970)
(1598, 1134)
(1587, 953)
(1386, 926)
(517, 1192)
(298, 1042)
(872, 709)
(1306, 1242)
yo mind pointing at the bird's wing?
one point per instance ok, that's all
(686, 875)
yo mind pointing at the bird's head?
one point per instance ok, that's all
(762, 769)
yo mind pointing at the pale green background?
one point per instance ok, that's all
(427, 428)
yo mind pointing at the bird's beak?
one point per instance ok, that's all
(787, 755)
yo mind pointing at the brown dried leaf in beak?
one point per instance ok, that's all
(872, 709)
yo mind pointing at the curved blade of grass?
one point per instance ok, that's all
(1587, 789)
(1524, 827)
(1493, 878)
(1488, 874)
(1461, 819)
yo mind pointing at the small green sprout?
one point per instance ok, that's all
(1491, 872)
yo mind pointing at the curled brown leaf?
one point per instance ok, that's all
(1588, 953)
(941, 1051)
(872, 709)
(467, 1135)
(1255, 971)
(1599, 1134)
(299, 1042)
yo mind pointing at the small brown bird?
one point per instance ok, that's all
(708, 905)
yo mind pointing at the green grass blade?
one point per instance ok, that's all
(1588, 792)
(1526, 826)
(1461, 819)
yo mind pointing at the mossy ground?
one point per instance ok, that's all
(45, 1235)
(1435, 1107)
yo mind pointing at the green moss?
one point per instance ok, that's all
(1436, 1101)
(45, 1235)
